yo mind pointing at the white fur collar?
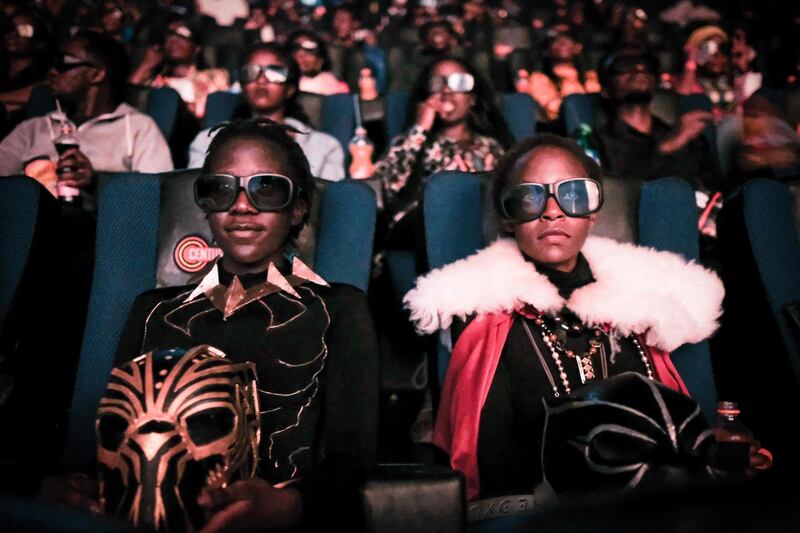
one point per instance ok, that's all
(638, 290)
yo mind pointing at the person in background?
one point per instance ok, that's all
(436, 39)
(89, 79)
(174, 64)
(311, 54)
(707, 69)
(561, 76)
(269, 78)
(635, 143)
(347, 46)
(454, 125)
(23, 63)
(112, 21)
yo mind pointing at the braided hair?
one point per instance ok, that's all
(280, 144)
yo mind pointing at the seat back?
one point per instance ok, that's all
(377, 63)
(339, 118)
(134, 213)
(40, 102)
(19, 208)
(220, 107)
(577, 109)
(162, 106)
(520, 112)
(125, 266)
(184, 239)
(668, 221)
(769, 217)
(396, 105)
(758, 364)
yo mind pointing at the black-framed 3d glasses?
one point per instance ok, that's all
(577, 197)
(458, 82)
(272, 73)
(266, 192)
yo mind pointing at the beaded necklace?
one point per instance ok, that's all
(556, 344)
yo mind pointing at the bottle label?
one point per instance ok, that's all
(65, 191)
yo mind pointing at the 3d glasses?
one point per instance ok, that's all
(307, 46)
(458, 82)
(577, 197)
(25, 31)
(272, 73)
(64, 62)
(266, 192)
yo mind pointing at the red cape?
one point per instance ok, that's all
(469, 377)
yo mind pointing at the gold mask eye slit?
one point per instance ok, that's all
(111, 431)
(210, 425)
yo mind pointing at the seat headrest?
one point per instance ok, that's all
(185, 243)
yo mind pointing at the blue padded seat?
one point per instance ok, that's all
(396, 105)
(220, 107)
(125, 266)
(577, 109)
(770, 223)
(519, 111)
(19, 208)
(40, 102)
(668, 221)
(162, 106)
(129, 208)
(338, 118)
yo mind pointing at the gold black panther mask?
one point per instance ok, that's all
(172, 423)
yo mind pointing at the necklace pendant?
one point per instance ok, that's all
(580, 369)
(585, 368)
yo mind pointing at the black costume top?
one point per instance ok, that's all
(512, 419)
(316, 360)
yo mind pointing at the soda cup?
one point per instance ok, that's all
(63, 142)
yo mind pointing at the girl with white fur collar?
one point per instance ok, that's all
(553, 310)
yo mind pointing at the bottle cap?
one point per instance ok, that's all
(728, 408)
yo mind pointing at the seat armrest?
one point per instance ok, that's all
(413, 497)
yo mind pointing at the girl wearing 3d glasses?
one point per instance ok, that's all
(455, 126)
(550, 310)
(269, 79)
(312, 343)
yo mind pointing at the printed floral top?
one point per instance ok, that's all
(403, 174)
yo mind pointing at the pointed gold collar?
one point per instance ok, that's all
(230, 299)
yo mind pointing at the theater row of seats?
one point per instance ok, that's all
(136, 236)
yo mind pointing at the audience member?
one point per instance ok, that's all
(637, 144)
(437, 39)
(553, 291)
(312, 343)
(24, 62)
(269, 79)
(89, 80)
(346, 50)
(561, 76)
(311, 54)
(454, 126)
(174, 64)
(707, 69)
